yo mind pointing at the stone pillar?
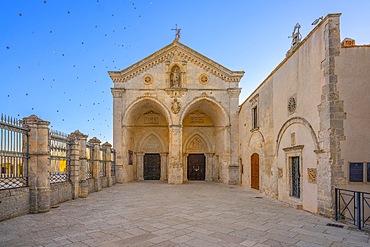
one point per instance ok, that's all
(234, 135)
(185, 166)
(209, 166)
(175, 171)
(140, 166)
(83, 183)
(163, 166)
(75, 166)
(118, 135)
(108, 161)
(38, 164)
(96, 164)
(330, 172)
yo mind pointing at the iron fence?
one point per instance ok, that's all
(113, 162)
(60, 152)
(102, 162)
(353, 207)
(89, 160)
(13, 153)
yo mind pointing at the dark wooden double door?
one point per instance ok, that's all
(152, 166)
(196, 167)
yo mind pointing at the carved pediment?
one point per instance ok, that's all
(176, 52)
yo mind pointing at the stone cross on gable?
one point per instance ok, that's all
(177, 36)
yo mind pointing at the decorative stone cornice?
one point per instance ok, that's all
(107, 144)
(94, 140)
(33, 119)
(182, 53)
(76, 135)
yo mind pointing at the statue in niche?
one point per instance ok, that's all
(175, 77)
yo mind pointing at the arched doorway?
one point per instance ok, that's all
(255, 171)
(196, 167)
(152, 166)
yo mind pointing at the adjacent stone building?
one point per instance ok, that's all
(303, 132)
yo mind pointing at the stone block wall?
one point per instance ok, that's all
(14, 202)
(40, 194)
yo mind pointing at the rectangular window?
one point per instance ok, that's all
(356, 172)
(368, 172)
(255, 117)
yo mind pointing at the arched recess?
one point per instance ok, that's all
(296, 120)
(253, 136)
(133, 111)
(210, 107)
(151, 143)
(197, 143)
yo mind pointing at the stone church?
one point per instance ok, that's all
(302, 133)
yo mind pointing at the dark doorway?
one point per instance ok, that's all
(196, 167)
(296, 178)
(255, 172)
(152, 166)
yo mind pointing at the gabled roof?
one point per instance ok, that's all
(185, 54)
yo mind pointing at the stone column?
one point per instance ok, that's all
(38, 165)
(209, 166)
(140, 166)
(185, 166)
(175, 171)
(118, 137)
(234, 135)
(96, 164)
(75, 166)
(163, 166)
(108, 162)
(83, 183)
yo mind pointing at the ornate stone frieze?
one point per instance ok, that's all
(176, 93)
(151, 118)
(176, 52)
(311, 172)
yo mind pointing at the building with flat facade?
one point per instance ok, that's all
(303, 132)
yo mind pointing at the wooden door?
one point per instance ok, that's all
(255, 171)
(152, 166)
(196, 167)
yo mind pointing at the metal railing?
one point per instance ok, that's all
(353, 207)
(60, 157)
(113, 162)
(102, 162)
(13, 153)
(89, 160)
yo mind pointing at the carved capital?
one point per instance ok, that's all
(234, 92)
(117, 92)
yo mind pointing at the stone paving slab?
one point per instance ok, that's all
(153, 213)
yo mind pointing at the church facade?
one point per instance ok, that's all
(176, 118)
(302, 133)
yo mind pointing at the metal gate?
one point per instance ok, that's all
(152, 166)
(296, 178)
(196, 167)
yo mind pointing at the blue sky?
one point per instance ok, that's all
(55, 54)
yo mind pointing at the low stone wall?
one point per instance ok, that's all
(91, 183)
(104, 182)
(60, 192)
(14, 202)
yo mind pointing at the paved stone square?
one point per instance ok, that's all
(153, 213)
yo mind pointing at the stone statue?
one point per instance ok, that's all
(175, 77)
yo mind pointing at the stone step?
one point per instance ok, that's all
(293, 203)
